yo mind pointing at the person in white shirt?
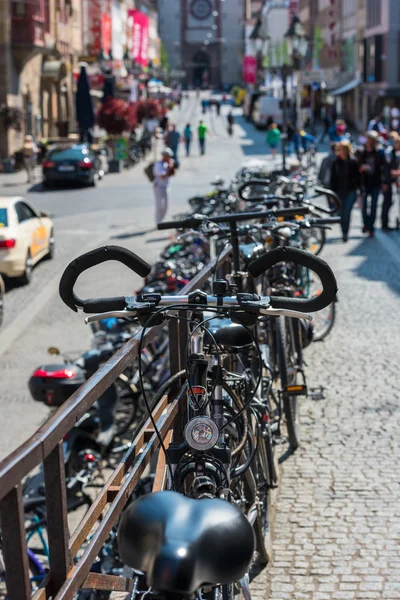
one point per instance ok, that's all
(163, 169)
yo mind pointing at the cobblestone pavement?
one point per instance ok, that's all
(337, 522)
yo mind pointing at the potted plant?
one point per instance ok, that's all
(115, 116)
(147, 110)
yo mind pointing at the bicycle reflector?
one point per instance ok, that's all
(201, 433)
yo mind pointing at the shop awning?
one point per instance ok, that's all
(351, 85)
(54, 69)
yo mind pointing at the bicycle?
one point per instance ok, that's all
(216, 456)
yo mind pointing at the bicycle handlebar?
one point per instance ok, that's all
(249, 183)
(197, 219)
(330, 194)
(91, 259)
(256, 268)
(325, 221)
(304, 259)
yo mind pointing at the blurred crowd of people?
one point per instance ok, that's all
(364, 171)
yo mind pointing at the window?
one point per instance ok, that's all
(3, 218)
(374, 13)
(68, 154)
(24, 212)
(19, 8)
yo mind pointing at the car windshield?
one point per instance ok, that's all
(3, 218)
(68, 154)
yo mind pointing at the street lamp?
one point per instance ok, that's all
(297, 43)
(297, 47)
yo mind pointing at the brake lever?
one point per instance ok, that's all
(283, 312)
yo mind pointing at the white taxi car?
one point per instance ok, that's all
(26, 236)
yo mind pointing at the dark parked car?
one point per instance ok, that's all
(76, 164)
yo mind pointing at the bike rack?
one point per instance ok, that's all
(66, 573)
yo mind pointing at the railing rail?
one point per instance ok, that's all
(66, 575)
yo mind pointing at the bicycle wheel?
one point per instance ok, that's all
(323, 321)
(314, 239)
(262, 525)
(288, 376)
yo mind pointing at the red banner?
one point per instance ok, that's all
(140, 37)
(249, 68)
(106, 33)
(95, 27)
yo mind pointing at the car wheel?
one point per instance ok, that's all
(46, 185)
(26, 278)
(51, 251)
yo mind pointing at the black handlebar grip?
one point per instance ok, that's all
(188, 223)
(331, 194)
(249, 183)
(91, 259)
(305, 259)
(102, 305)
(327, 221)
(292, 211)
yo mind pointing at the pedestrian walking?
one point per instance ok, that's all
(376, 124)
(371, 167)
(172, 139)
(231, 122)
(273, 138)
(29, 152)
(337, 132)
(201, 132)
(325, 132)
(345, 181)
(218, 106)
(392, 172)
(324, 175)
(164, 123)
(187, 138)
(162, 171)
(204, 106)
(290, 133)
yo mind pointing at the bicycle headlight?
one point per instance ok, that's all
(201, 433)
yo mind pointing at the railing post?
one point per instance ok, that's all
(15, 552)
(57, 522)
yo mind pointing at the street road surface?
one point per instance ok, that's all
(337, 526)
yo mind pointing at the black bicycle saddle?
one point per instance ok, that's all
(182, 544)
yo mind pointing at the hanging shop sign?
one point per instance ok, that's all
(106, 33)
(249, 67)
(139, 37)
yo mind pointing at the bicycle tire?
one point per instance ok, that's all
(290, 404)
(317, 247)
(320, 334)
(262, 524)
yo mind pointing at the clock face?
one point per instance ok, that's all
(201, 9)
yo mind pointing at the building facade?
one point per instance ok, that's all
(204, 38)
(40, 41)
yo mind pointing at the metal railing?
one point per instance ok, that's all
(67, 574)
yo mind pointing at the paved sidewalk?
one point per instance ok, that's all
(337, 525)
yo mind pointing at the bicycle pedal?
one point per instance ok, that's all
(296, 390)
(317, 393)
